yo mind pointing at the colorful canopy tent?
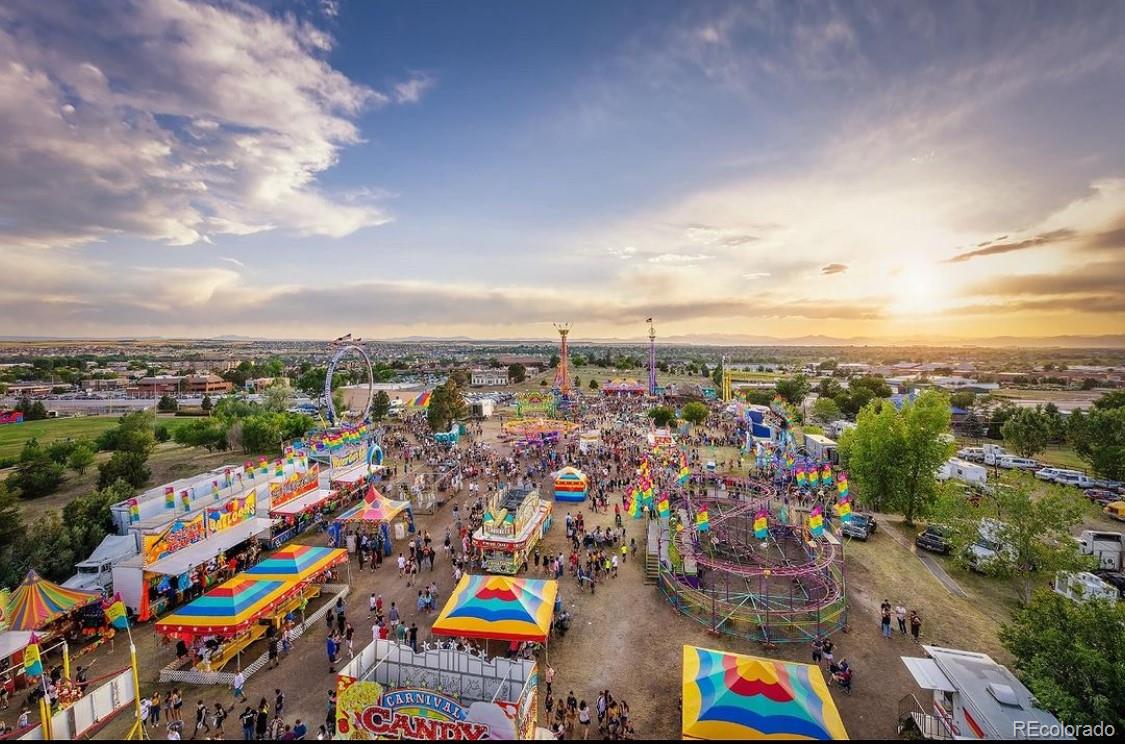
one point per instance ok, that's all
(731, 696)
(499, 607)
(571, 484)
(230, 608)
(297, 563)
(374, 508)
(421, 401)
(624, 387)
(37, 602)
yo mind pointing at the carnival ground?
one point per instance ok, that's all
(628, 639)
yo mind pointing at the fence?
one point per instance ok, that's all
(92, 710)
(172, 672)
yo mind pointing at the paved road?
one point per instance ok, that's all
(931, 564)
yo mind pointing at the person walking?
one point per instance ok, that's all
(238, 683)
(900, 613)
(200, 719)
(915, 624)
(247, 720)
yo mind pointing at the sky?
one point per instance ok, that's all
(304, 169)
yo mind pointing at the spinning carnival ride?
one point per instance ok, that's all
(752, 569)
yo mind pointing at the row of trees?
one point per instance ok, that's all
(693, 412)
(254, 428)
(1098, 436)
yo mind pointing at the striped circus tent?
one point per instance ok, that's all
(297, 563)
(500, 608)
(37, 602)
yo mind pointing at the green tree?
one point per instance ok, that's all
(380, 405)
(554, 362)
(793, 389)
(207, 404)
(695, 412)
(1034, 525)
(209, 433)
(261, 433)
(972, 426)
(162, 434)
(49, 547)
(1111, 400)
(1099, 438)
(894, 454)
(517, 373)
(60, 450)
(962, 399)
(277, 398)
(1027, 431)
(577, 381)
(88, 518)
(662, 416)
(124, 465)
(80, 458)
(31, 410)
(12, 538)
(825, 410)
(1070, 655)
(717, 375)
(167, 404)
(593, 384)
(36, 474)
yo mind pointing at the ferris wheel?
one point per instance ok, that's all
(354, 358)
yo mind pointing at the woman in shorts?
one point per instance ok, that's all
(584, 719)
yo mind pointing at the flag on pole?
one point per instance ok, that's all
(761, 525)
(32, 663)
(169, 497)
(134, 511)
(702, 520)
(116, 614)
(816, 522)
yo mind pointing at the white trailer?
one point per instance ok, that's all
(964, 471)
(1107, 547)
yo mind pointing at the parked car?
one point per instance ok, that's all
(1115, 510)
(934, 539)
(988, 546)
(859, 526)
(1101, 496)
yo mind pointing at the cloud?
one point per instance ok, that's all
(679, 258)
(756, 275)
(834, 268)
(170, 121)
(1049, 238)
(234, 261)
(412, 90)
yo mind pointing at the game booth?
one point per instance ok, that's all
(624, 387)
(734, 697)
(513, 523)
(298, 502)
(389, 691)
(571, 484)
(47, 612)
(392, 518)
(221, 624)
(199, 549)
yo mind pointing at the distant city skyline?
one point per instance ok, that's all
(296, 169)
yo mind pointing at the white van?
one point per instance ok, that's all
(1047, 474)
(1073, 478)
(1010, 462)
(988, 545)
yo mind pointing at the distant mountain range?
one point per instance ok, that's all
(1113, 341)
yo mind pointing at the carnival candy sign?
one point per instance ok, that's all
(366, 711)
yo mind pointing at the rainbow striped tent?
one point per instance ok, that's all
(375, 507)
(571, 484)
(499, 607)
(297, 563)
(731, 696)
(230, 608)
(37, 602)
(422, 401)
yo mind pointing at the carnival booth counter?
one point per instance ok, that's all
(513, 523)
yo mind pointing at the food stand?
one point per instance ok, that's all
(390, 692)
(218, 626)
(379, 511)
(514, 522)
(180, 559)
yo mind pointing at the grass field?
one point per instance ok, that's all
(13, 436)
